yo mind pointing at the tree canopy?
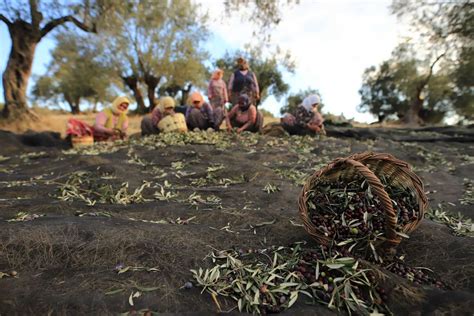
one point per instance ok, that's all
(463, 92)
(154, 45)
(440, 24)
(74, 74)
(264, 14)
(399, 84)
(30, 21)
(425, 83)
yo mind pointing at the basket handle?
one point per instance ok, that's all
(378, 190)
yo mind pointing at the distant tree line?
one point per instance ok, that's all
(423, 83)
(155, 48)
(151, 48)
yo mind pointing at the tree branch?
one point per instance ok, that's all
(5, 20)
(425, 82)
(36, 16)
(68, 18)
(428, 77)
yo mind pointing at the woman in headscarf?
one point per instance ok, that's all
(199, 114)
(243, 81)
(244, 116)
(163, 118)
(306, 119)
(112, 122)
(217, 93)
(217, 90)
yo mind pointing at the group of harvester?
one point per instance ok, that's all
(235, 103)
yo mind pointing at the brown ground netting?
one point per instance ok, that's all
(65, 263)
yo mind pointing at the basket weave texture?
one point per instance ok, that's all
(82, 141)
(371, 166)
(173, 123)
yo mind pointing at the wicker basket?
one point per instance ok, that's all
(371, 166)
(173, 123)
(82, 141)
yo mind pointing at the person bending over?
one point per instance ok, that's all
(112, 123)
(163, 118)
(199, 114)
(306, 119)
(244, 116)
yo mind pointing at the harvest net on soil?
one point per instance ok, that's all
(126, 222)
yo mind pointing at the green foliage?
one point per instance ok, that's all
(443, 24)
(28, 23)
(82, 186)
(446, 26)
(264, 14)
(379, 94)
(74, 74)
(159, 43)
(393, 87)
(437, 100)
(268, 280)
(89, 11)
(267, 70)
(293, 100)
(463, 95)
(459, 225)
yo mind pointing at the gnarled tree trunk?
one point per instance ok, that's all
(185, 93)
(151, 83)
(412, 116)
(18, 70)
(132, 83)
(25, 36)
(73, 103)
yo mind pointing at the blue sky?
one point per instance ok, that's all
(331, 41)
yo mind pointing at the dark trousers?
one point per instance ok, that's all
(147, 126)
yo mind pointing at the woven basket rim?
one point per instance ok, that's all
(355, 161)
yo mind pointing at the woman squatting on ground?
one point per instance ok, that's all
(163, 118)
(199, 114)
(112, 123)
(306, 119)
(244, 116)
